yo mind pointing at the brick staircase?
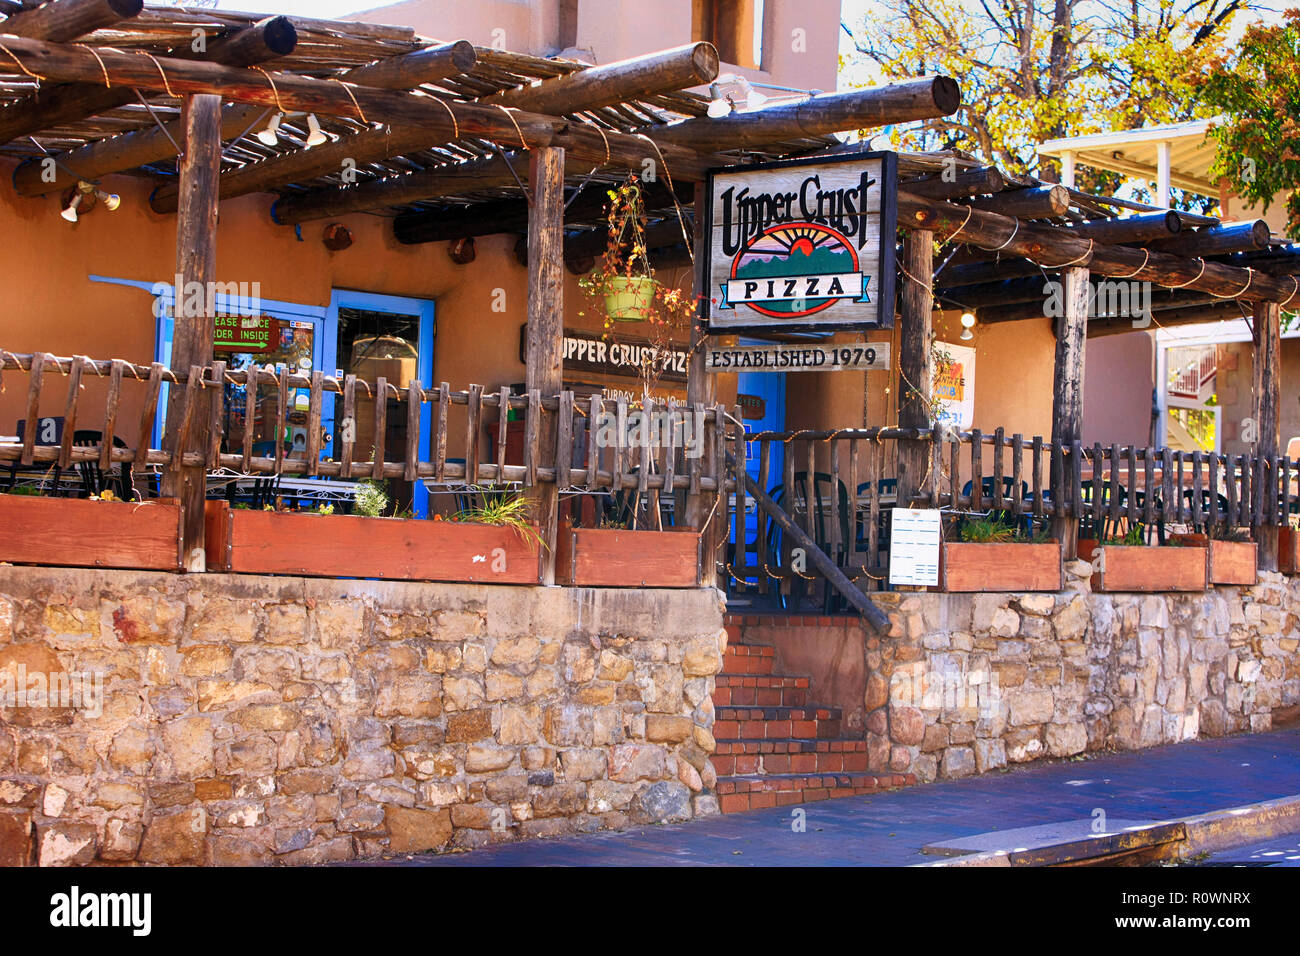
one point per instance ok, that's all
(775, 746)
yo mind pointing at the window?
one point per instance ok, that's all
(735, 27)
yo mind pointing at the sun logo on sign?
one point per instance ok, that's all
(795, 270)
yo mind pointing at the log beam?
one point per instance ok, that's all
(915, 365)
(701, 392)
(66, 20)
(194, 329)
(968, 182)
(1054, 247)
(1223, 239)
(72, 102)
(1041, 202)
(925, 98)
(1067, 399)
(511, 215)
(1267, 413)
(544, 360)
(409, 70)
(1143, 228)
(601, 86)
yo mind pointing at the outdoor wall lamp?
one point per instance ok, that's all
(967, 323)
(82, 197)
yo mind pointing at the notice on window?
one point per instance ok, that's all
(914, 547)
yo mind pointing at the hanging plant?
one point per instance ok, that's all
(623, 283)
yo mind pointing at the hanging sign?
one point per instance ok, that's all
(914, 537)
(246, 333)
(591, 352)
(804, 245)
(954, 385)
(872, 357)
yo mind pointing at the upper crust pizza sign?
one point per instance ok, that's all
(798, 245)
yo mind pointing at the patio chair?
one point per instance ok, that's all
(816, 498)
(93, 480)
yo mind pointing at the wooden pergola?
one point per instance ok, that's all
(454, 141)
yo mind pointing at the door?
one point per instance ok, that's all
(761, 397)
(370, 335)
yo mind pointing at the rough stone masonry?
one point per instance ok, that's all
(282, 720)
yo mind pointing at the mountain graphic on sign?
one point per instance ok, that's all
(792, 251)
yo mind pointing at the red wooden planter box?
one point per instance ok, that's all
(1143, 568)
(616, 558)
(1288, 551)
(1008, 566)
(79, 533)
(346, 546)
(1231, 562)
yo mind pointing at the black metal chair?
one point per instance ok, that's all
(815, 497)
(94, 481)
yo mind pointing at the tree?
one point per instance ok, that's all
(1258, 92)
(1033, 70)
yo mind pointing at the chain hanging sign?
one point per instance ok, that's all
(803, 245)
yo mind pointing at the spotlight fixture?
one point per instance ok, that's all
(112, 202)
(70, 211)
(315, 135)
(967, 323)
(271, 135)
(719, 106)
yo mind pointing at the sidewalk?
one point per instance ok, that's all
(889, 829)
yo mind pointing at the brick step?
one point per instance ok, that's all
(777, 723)
(791, 745)
(760, 690)
(848, 759)
(743, 659)
(738, 793)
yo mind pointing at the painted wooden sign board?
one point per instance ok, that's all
(802, 245)
(592, 352)
(914, 540)
(873, 357)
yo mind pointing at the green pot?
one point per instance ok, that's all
(631, 299)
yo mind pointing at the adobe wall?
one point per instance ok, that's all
(250, 720)
(967, 683)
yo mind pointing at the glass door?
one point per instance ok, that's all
(373, 336)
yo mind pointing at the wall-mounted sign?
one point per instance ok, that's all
(590, 352)
(803, 245)
(954, 385)
(752, 407)
(914, 537)
(873, 357)
(246, 333)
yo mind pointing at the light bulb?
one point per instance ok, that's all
(754, 99)
(271, 135)
(70, 213)
(111, 201)
(966, 335)
(315, 135)
(968, 320)
(718, 106)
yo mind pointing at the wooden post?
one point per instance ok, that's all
(701, 389)
(1067, 399)
(1268, 379)
(193, 329)
(546, 331)
(915, 368)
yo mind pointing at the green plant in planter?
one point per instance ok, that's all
(1225, 533)
(1133, 538)
(504, 510)
(992, 530)
(371, 500)
(623, 283)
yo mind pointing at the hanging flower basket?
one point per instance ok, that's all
(629, 299)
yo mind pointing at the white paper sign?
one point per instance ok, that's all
(914, 538)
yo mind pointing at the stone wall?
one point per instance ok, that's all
(280, 720)
(966, 683)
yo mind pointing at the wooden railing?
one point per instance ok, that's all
(1027, 481)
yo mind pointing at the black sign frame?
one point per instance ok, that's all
(888, 262)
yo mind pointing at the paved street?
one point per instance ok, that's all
(889, 829)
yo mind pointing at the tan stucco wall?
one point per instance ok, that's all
(50, 304)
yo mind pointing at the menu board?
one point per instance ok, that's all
(914, 547)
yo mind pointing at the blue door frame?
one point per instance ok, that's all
(398, 305)
(770, 387)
